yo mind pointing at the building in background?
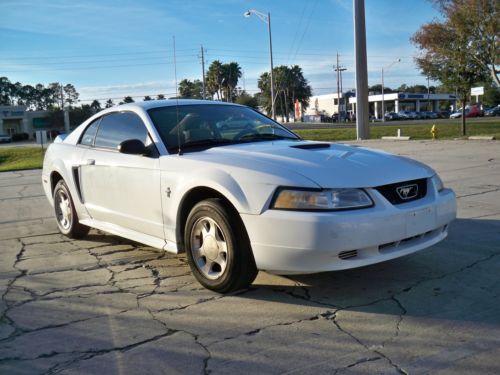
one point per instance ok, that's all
(17, 119)
(327, 105)
(405, 101)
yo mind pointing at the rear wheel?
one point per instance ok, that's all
(66, 216)
(218, 248)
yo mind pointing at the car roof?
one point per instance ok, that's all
(148, 104)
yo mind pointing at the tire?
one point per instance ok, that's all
(218, 248)
(65, 213)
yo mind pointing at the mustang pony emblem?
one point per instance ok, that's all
(407, 191)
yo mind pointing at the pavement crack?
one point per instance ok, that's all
(21, 273)
(367, 347)
(358, 362)
(478, 193)
(260, 329)
(403, 313)
(89, 354)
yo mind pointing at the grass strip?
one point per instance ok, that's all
(19, 158)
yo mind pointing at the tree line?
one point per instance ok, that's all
(38, 97)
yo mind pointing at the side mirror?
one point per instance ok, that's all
(132, 147)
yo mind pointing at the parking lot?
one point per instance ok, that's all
(111, 306)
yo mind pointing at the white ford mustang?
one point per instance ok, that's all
(239, 193)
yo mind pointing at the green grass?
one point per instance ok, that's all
(420, 131)
(18, 158)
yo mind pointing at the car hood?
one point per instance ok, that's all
(325, 164)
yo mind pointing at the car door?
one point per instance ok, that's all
(119, 188)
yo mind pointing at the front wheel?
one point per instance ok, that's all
(218, 248)
(66, 216)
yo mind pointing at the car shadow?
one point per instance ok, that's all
(455, 279)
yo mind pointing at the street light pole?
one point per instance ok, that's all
(383, 102)
(383, 89)
(273, 108)
(267, 19)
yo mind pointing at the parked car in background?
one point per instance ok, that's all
(431, 115)
(495, 111)
(4, 138)
(444, 114)
(404, 115)
(470, 111)
(391, 116)
(236, 200)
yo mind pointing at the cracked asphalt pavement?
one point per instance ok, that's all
(108, 305)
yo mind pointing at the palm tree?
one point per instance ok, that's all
(232, 73)
(290, 86)
(215, 76)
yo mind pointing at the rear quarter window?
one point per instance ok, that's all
(88, 135)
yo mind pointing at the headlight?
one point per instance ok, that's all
(333, 199)
(436, 180)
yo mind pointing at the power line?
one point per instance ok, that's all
(52, 57)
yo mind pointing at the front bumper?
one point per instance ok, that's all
(288, 242)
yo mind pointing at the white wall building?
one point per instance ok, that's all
(325, 104)
(394, 102)
(404, 101)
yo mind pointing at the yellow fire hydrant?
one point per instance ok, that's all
(434, 131)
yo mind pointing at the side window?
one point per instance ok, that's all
(118, 127)
(88, 135)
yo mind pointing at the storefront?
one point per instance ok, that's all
(17, 119)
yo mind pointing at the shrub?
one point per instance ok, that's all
(20, 137)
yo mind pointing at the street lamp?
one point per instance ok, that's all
(383, 102)
(267, 19)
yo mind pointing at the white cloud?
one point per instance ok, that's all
(138, 89)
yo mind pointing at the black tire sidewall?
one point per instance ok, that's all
(61, 185)
(236, 246)
(76, 230)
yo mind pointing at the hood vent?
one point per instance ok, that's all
(312, 146)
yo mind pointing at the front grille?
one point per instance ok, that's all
(390, 192)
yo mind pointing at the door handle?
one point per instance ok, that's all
(90, 162)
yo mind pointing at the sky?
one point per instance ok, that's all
(111, 48)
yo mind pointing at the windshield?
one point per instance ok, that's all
(209, 125)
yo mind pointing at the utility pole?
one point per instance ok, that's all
(62, 96)
(362, 129)
(339, 71)
(65, 111)
(203, 71)
(344, 99)
(338, 88)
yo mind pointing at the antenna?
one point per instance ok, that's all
(177, 101)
